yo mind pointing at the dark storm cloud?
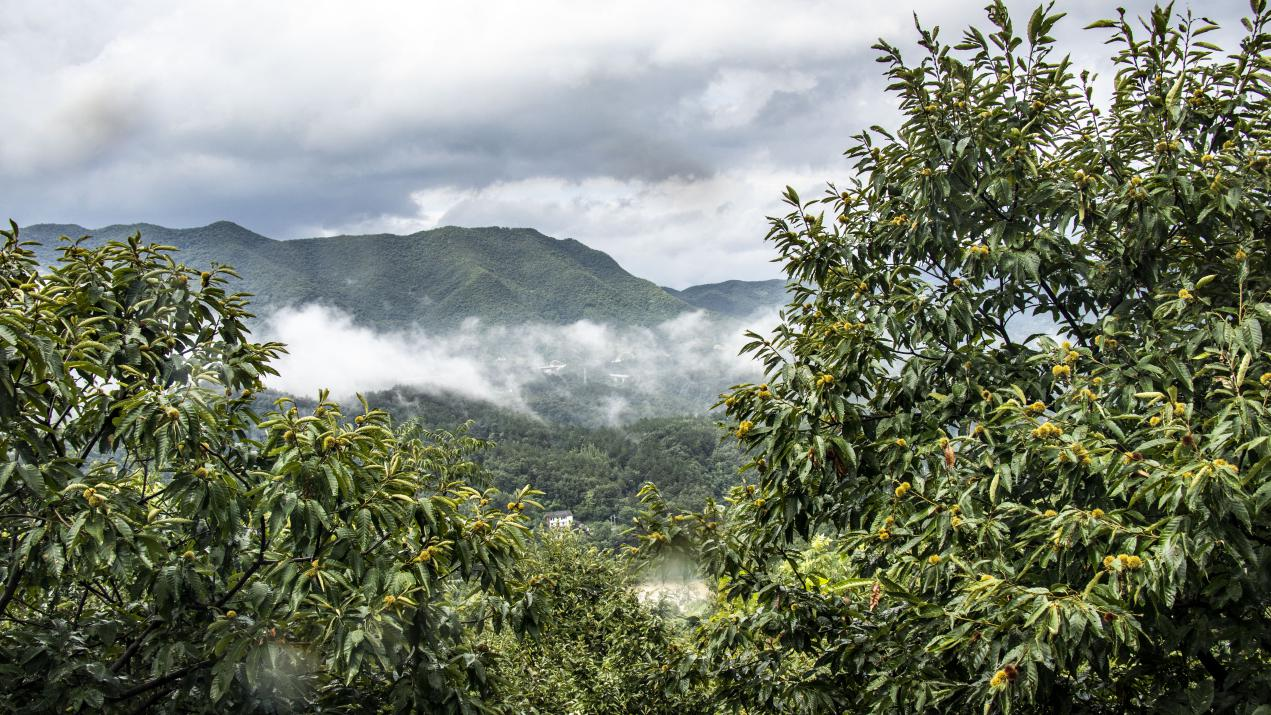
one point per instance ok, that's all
(661, 132)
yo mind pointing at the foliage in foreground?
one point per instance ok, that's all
(600, 650)
(1074, 522)
(164, 548)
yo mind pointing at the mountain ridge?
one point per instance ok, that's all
(434, 278)
(737, 298)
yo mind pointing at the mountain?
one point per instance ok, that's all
(736, 298)
(434, 278)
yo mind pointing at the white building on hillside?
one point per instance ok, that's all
(559, 519)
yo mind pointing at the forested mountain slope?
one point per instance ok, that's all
(736, 298)
(433, 278)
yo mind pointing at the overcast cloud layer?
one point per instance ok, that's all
(661, 132)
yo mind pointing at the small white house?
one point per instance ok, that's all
(559, 519)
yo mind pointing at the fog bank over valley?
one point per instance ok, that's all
(619, 372)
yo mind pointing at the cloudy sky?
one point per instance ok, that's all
(661, 132)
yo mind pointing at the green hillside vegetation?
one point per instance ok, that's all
(435, 278)
(736, 298)
(596, 472)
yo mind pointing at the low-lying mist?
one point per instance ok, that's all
(614, 373)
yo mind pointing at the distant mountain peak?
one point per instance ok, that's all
(735, 297)
(230, 225)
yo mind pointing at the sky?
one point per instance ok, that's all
(661, 132)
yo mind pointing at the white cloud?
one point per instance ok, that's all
(688, 354)
(736, 96)
(327, 350)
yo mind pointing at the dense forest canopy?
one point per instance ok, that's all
(595, 472)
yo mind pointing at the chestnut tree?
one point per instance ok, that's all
(1020, 398)
(164, 548)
